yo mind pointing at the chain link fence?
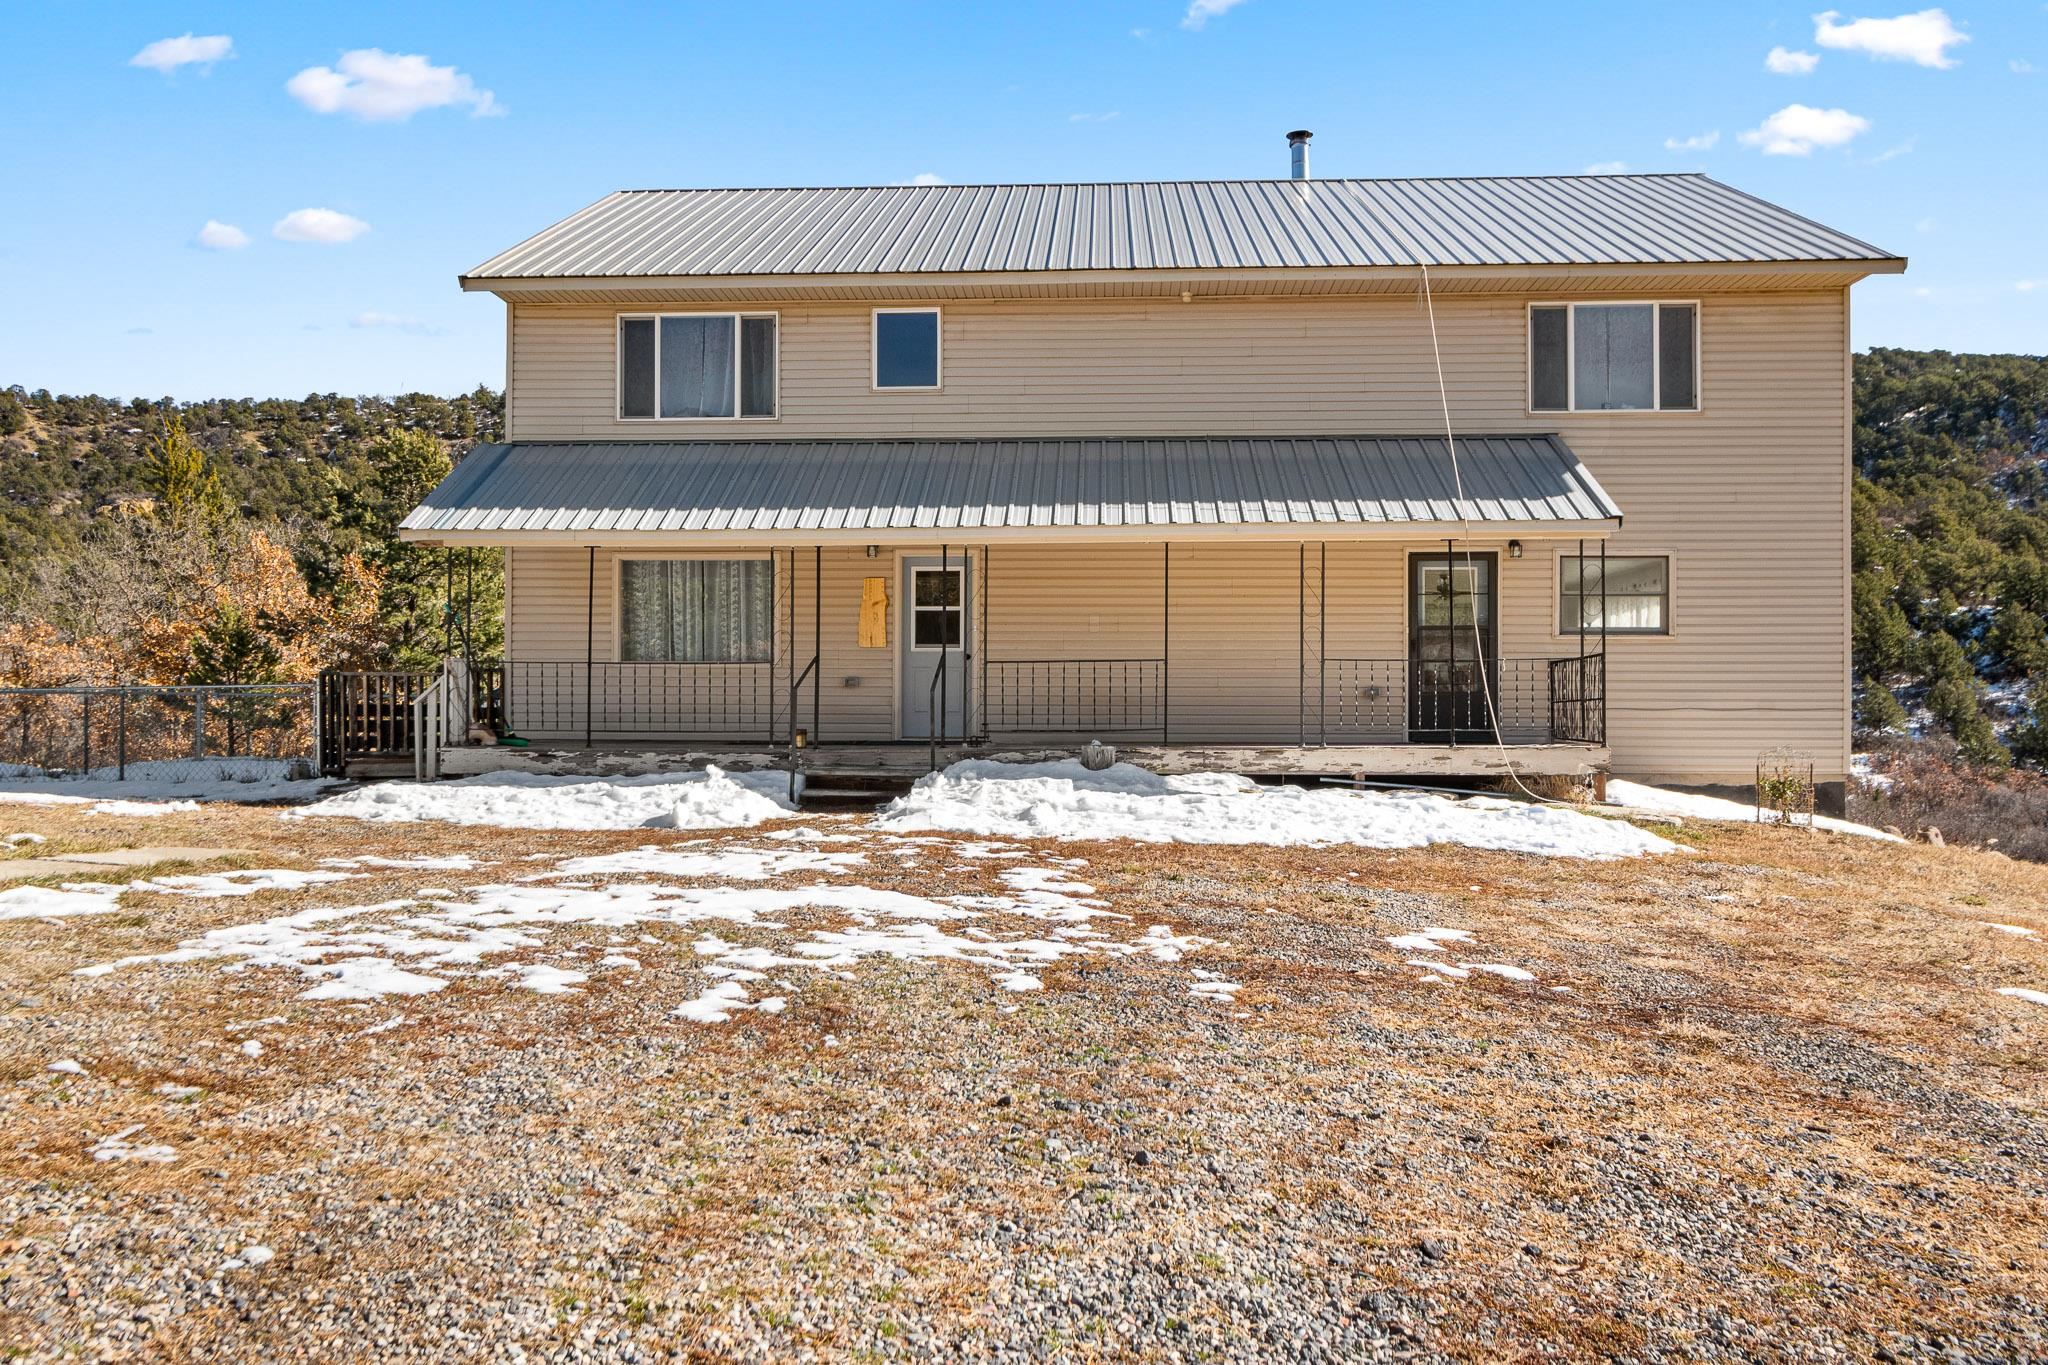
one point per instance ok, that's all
(171, 734)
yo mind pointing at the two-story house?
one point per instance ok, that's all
(1012, 467)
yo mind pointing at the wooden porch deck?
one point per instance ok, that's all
(910, 760)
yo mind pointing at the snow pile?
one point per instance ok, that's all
(65, 1066)
(117, 1147)
(2022, 993)
(1436, 939)
(1636, 797)
(712, 799)
(1063, 800)
(734, 864)
(152, 788)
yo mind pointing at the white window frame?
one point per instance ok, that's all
(738, 351)
(619, 592)
(1571, 358)
(875, 384)
(1670, 558)
(959, 573)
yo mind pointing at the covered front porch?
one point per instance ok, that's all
(1296, 632)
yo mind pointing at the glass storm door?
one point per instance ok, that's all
(1450, 632)
(934, 624)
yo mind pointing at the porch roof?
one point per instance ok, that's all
(1300, 487)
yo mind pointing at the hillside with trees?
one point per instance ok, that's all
(230, 540)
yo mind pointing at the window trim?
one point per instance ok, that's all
(738, 355)
(875, 384)
(959, 575)
(1571, 359)
(1670, 558)
(619, 559)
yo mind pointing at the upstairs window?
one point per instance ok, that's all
(694, 366)
(906, 348)
(1614, 357)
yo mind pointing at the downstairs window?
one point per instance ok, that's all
(696, 610)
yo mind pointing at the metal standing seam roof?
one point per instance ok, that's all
(1158, 485)
(1186, 225)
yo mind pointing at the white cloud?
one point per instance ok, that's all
(1797, 129)
(1094, 118)
(1783, 61)
(1923, 38)
(1891, 153)
(168, 54)
(1606, 168)
(925, 178)
(2028, 286)
(217, 236)
(1141, 34)
(396, 322)
(1200, 12)
(1701, 142)
(2021, 66)
(318, 225)
(384, 87)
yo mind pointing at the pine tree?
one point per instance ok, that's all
(1878, 711)
(186, 485)
(1953, 702)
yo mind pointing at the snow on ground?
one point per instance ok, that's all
(1862, 769)
(65, 1066)
(711, 799)
(17, 840)
(735, 864)
(117, 1147)
(1063, 800)
(1634, 796)
(2022, 993)
(40, 902)
(159, 788)
(2016, 930)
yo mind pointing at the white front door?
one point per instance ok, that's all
(934, 628)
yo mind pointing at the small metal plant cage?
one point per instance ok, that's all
(1785, 789)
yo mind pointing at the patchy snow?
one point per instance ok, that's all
(711, 799)
(2022, 993)
(542, 979)
(252, 1048)
(1430, 940)
(65, 1066)
(229, 884)
(1636, 797)
(1063, 800)
(117, 1147)
(1213, 988)
(1019, 981)
(17, 840)
(179, 1093)
(40, 902)
(160, 788)
(249, 1257)
(1862, 769)
(452, 862)
(1500, 969)
(370, 978)
(2016, 930)
(733, 864)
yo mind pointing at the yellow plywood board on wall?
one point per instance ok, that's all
(874, 613)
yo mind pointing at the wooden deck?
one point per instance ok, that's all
(908, 761)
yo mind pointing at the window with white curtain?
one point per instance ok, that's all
(684, 366)
(1613, 357)
(696, 610)
(1637, 600)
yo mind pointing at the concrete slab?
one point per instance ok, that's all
(88, 864)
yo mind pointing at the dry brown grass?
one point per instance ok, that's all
(1768, 1005)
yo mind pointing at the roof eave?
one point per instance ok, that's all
(507, 286)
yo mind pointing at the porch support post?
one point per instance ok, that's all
(1582, 638)
(981, 698)
(589, 645)
(1603, 637)
(1322, 642)
(448, 601)
(1301, 644)
(1451, 580)
(817, 631)
(468, 603)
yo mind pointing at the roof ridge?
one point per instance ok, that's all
(1185, 180)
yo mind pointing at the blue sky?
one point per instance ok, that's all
(456, 129)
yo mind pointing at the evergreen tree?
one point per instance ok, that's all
(1953, 702)
(183, 479)
(1878, 711)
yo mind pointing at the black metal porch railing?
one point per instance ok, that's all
(1386, 701)
(1578, 699)
(597, 700)
(1115, 697)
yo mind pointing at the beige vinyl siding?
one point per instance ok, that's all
(1747, 495)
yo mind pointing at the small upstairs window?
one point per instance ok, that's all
(906, 348)
(693, 366)
(1614, 357)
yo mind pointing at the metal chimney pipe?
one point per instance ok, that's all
(1297, 146)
